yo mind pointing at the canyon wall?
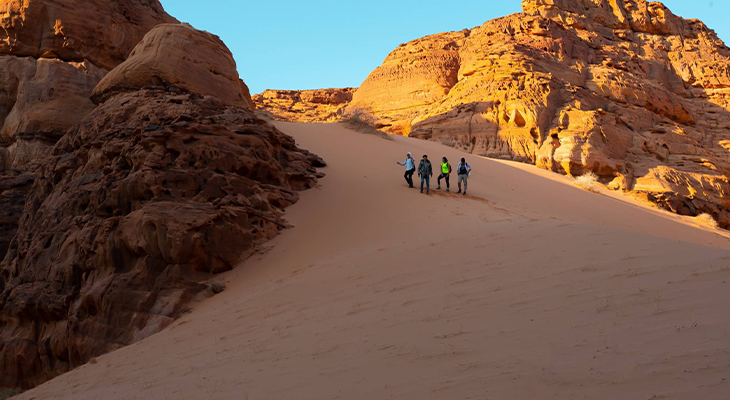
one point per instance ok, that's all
(621, 88)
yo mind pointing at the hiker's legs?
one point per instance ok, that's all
(439, 180)
(459, 179)
(466, 179)
(428, 183)
(448, 185)
(409, 177)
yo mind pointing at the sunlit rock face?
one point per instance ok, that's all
(163, 57)
(321, 105)
(623, 88)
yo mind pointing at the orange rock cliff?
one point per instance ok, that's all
(625, 89)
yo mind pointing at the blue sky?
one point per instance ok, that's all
(290, 44)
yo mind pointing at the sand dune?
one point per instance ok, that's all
(527, 288)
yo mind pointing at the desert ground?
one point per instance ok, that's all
(527, 288)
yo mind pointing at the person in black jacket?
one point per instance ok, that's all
(425, 171)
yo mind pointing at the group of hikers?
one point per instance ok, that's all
(425, 172)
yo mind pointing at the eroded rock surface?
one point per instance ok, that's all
(134, 210)
(163, 57)
(322, 105)
(52, 54)
(99, 31)
(622, 88)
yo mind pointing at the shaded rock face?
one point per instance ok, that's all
(135, 209)
(321, 105)
(622, 88)
(163, 57)
(40, 99)
(138, 205)
(52, 55)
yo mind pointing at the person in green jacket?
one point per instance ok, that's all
(425, 171)
(445, 172)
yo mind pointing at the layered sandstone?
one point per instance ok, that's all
(137, 206)
(322, 105)
(625, 89)
(52, 54)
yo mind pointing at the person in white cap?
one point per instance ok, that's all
(410, 165)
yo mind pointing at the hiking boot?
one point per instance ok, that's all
(464, 193)
(421, 190)
(438, 188)
(447, 189)
(459, 192)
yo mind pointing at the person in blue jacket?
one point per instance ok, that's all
(410, 165)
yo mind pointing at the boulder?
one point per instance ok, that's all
(163, 58)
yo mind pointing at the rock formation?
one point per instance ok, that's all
(623, 88)
(322, 105)
(99, 31)
(52, 54)
(162, 185)
(164, 58)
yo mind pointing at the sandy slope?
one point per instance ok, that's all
(530, 289)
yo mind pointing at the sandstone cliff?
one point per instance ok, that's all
(162, 185)
(322, 105)
(623, 88)
(52, 54)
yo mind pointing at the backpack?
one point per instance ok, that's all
(462, 169)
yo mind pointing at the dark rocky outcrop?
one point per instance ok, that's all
(133, 211)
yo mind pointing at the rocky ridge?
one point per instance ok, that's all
(322, 105)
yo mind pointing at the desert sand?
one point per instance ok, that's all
(527, 288)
